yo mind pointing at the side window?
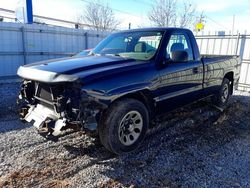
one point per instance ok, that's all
(179, 42)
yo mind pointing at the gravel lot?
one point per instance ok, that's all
(197, 146)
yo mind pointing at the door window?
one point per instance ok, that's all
(179, 42)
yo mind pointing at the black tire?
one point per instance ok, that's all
(223, 95)
(115, 120)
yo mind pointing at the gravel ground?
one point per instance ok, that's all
(197, 146)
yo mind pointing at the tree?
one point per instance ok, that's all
(187, 16)
(166, 13)
(99, 16)
(163, 13)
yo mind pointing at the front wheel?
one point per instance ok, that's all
(124, 126)
(222, 97)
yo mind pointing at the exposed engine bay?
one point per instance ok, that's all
(55, 107)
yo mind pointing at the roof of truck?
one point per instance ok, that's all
(156, 29)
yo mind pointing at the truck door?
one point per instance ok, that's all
(179, 82)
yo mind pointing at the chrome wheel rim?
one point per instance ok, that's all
(130, 128)
(225, 92)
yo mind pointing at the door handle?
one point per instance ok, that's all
(195, 70)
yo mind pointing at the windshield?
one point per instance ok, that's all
(139, 45)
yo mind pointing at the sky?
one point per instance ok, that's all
(218, 13)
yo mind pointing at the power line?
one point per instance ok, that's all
(7, 10)
(217, 22)
(45, 18)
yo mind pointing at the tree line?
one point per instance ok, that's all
(163, 13)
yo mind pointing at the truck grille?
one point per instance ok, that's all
(47, 94)
(44, 92)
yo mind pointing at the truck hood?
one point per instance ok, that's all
(71, 69)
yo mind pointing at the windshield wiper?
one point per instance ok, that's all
(93, 54)
(118, 55)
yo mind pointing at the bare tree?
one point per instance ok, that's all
(163, 13)
(166, 13)
(201, 18)
(99, 16)
(187, 15)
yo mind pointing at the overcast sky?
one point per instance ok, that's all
(219, 12)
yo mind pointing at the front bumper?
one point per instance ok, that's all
(42, 117)
(54, 108)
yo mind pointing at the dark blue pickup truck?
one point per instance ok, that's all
(124, 83)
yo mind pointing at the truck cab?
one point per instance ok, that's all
(129, 79)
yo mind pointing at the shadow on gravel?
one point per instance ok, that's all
(9, 120)
(197, 146)
(184, 149)
(8, 109)
(13, 125)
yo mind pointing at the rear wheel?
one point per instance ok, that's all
(222, 97)
(123, 126)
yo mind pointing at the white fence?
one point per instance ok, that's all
(22, 44)
(229, 45)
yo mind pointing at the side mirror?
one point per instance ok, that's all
(179, 56)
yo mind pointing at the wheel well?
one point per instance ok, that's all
(143, 97)
(230, 77)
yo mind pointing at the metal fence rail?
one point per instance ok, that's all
(22, 44)
(229, 45)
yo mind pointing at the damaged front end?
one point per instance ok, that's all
(55, 107)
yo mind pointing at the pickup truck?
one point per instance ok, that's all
(123, 84)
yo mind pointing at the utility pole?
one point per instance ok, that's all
(232, 34)
(233, 25)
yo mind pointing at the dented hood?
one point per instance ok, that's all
(71, 69)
